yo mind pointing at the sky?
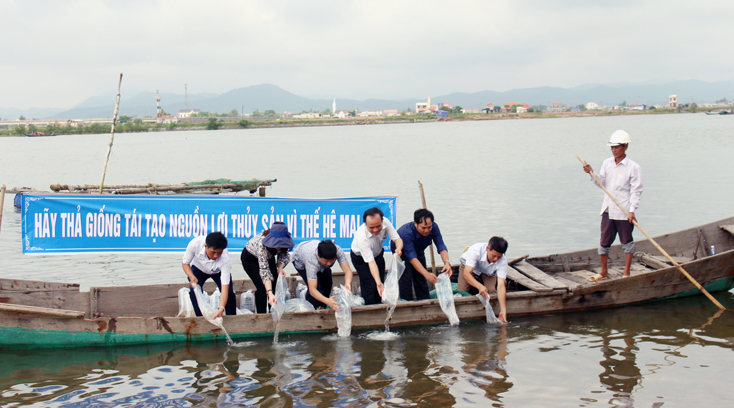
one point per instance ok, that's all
(59, 53)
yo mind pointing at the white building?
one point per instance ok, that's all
(673, 101)
(308, 115)
(183, 113)
(592, 106)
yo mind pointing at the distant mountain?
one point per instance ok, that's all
(30, 113)
(265, 96)
(650, 94)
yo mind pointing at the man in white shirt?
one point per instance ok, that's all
(485, 262)
(367, 253)
(207, 257)
(623, 178)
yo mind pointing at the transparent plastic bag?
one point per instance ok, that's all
(445, 296)
(281, 288)
(185, 308)
(357, 300)
(391, 293)
(345, 298)
(215, 298)
(298, 305)
(206, 310)
(301, 291)
(247, 301)
(491, 318)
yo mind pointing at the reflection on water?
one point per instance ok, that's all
(616, 357)
(633, 356)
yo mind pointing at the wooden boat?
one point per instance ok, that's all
(45, 314)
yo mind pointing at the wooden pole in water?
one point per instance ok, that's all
(423, 200)
(112, 135)
(680, 268)
(2, 201)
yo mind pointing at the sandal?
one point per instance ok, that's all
(598, 278)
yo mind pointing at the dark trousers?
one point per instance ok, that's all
(610, 228)
(413, 279)
(252, 267)
(366, 281)
(323, 285)
(230, 308)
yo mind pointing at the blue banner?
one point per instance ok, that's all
(56, 223)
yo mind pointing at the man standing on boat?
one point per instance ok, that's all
(485, 263)
(367, 253)
(207, 257)
(417, 236)
(313, 261)
(623, 178)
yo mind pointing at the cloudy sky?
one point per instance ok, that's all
(58, 53)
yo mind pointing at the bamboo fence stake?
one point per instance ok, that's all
(112, 135)
(680, 268)
(423, 200)
(2, 201)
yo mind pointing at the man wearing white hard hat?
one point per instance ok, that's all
(623, 178)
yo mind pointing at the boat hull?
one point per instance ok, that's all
(42, 314)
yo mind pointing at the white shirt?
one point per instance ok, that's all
(624, 181)
(367, 245)
(476, 257)
(196, 255)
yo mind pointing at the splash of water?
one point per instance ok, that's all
(390, 311)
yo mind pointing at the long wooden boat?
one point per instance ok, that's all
(45, 314)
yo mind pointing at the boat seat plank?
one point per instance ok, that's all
(525, 281)
(43, 311)
(539, 276)
(728, 228)
(570, 283)
(581, 277)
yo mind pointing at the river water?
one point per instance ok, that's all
(515, 178)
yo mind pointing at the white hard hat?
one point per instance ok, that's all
(619, 137)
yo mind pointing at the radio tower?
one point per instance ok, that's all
(159, 114)
(186, 97)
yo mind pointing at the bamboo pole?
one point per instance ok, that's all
(423, 200)
(112, 135)
(680, 268)
(2, 201)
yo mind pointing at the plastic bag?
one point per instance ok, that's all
(239, 311)
(301, 291)
(391, 293)
(185, 308)
(206, 310)
(247, 301)
(491, 318)
(298, 305)
(281, 288)
(446, 298)
(357, 300)
(345, 298)
(215, 298)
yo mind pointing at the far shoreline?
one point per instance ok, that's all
(229, 123)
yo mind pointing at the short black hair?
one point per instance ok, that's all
(372, 211)
(327, 250)
(421, 214)
(216, 240)
(498, 244)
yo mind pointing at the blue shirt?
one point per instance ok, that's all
(415, 243)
